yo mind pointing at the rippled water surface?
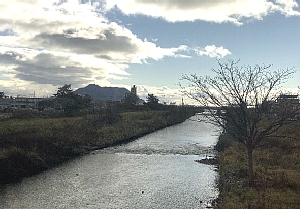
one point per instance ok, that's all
(155, 171)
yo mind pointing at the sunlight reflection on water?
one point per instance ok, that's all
(160, 164)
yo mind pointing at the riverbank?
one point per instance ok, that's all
(32, 145)
(277, 173)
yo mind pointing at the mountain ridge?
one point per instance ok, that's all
(97, 92)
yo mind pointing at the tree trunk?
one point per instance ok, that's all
(250, 168)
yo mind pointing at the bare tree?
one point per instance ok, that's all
(242, 100)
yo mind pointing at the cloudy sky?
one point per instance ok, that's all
(45, 44)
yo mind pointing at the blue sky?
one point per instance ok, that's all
(46, 44)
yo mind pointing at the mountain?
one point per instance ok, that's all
(103, 93)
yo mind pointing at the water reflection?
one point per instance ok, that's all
(156, 171)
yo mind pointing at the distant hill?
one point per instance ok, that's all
(103, 93)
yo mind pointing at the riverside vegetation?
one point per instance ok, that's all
(262, 170)
(276, 170)
(30, 144)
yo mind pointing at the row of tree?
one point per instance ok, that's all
(152, 101)
(69, 102)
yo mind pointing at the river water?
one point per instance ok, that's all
(155, 171)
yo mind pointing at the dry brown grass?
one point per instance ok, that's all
(277, 173)
(31, 145)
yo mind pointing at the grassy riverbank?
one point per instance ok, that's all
(277, 173)
(31, 145)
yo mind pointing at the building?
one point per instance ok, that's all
(289, 105)
(288, 100)
(19, 103)
(5, 103)
(26, 103)
(133, 90)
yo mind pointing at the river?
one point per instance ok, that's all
(154, 171)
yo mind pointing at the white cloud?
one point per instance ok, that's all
(213, 11)
(75, 28)
(213, 51)
(287, 7)
(55, 42)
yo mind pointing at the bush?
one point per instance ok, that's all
(224, 142)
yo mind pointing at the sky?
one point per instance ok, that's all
(45, 44)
